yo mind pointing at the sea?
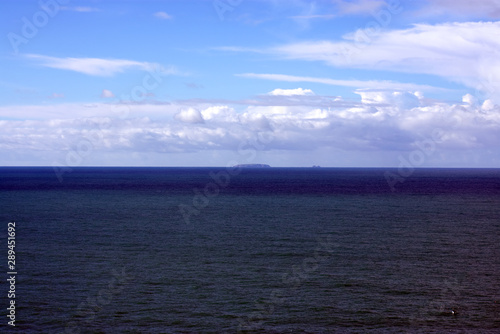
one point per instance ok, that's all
(250, 250)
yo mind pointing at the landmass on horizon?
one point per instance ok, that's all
(252, 166)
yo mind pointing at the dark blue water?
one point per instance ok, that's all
(210, 250)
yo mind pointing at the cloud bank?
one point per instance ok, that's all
(98, 66)
(383, 121)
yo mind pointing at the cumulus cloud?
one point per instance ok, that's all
(256, 121)
(291, 92)
(190, 115)
(469, 99)
(98, 66)
(382, 121)
(400, 99)
(488, 106)
(219, 113)
(107, 94)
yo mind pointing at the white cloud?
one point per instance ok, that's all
(163, 15)
(190, 115)
(370, 84)
(469, 99)
(107, 94)
(291, 92)
(383, 121)
(467, 53)
(255, 121)
(98, 66)
(488, 105)
(219, 112)
(400, 99)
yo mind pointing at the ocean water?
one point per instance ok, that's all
(272, 250)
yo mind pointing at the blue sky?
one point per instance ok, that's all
(334, 83)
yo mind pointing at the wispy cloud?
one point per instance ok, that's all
(466, 53)
(461, 52)
(163, 15)
(99, 66)
(381, 85)
(106, 94)
(56, 96)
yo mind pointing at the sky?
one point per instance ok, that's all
(335, 83)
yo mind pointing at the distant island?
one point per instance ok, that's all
(252, 166)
